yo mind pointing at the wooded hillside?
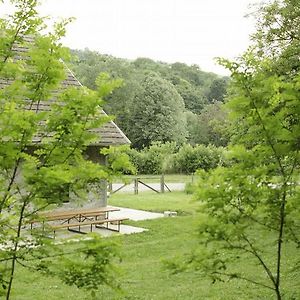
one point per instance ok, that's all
(159, 101)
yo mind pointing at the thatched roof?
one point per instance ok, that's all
(109, 134)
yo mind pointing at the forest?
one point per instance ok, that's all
(157, 101)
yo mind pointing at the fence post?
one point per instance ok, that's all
(110, 187)
(162, 183)
(136, 186)
(103, 192)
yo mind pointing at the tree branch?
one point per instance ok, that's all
(238, 276)
(266, 268)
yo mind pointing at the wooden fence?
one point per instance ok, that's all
(141, 181)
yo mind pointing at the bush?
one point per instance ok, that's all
(190, 188)
(154, 160)
(189, 159)
(166, 158)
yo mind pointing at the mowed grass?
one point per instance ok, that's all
(168, 201)
(142, 272)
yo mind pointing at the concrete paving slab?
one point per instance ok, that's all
(124, 229)
(135, 214)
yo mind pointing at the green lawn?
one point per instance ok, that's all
(143, 275)
(175, 201)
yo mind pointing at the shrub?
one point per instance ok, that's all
(189, 159)
(155, 159)
(166, 158)
(190, 188)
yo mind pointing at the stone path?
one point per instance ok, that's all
(135, 214)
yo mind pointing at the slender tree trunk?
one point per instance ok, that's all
(15, 250)
(277, 290)
(11, 182)
(279, 242)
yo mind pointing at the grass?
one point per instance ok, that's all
(174, 201)
(143, 274)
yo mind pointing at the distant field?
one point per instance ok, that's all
(143, 276)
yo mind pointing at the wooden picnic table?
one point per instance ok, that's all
(78, 218)
(77, 214)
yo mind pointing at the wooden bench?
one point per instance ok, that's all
(116, 221)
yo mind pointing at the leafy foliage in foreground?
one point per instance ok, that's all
(42, 151)
(87, 264)
(260, 189)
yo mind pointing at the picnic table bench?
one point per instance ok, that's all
(115, 221)
(78, 218)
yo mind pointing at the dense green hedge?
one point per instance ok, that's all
(155, 159)
(189, 158)
(169, 158)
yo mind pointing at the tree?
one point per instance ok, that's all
(157, 113)
(217, 90)
(192, 84)
(211, 126)
(193, 98)
(253, 206)
(34, 177)
(278, 35)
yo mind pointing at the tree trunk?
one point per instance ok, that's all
(15, 250)
(279, 242)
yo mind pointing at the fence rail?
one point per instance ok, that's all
(141, 181)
